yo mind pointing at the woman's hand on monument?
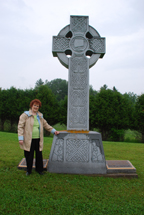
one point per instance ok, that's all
(21, 142)
(56, 132)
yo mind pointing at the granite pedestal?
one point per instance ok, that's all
(77, 153)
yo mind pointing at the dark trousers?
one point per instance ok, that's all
(30, 154)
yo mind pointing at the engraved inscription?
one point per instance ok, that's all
(77, 150)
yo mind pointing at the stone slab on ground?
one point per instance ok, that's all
(22, 164)
(120, 166)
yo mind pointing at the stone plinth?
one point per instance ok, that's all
(77, 153)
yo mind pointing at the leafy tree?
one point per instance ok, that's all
(13, 102)
(50, 106)
(3, 107)
(114, 89)
(39, 83)
(104, 87)
(92, 91)
(139, 115)
(109, 111)
(131, 99)
(59, 87)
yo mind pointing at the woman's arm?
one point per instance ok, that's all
(49, 128)
(21, 125)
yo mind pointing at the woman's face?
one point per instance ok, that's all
(35, 107)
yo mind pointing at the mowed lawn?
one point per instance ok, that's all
(69, 194)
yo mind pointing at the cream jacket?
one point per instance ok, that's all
(25, 128)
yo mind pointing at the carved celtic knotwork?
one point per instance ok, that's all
(97, 45)
(78, 98)
(79, 65)
(77, 150)
(79, 24)
(78, 81)
(58, 153)
(60, 44)
(78, 117)
(77, 41)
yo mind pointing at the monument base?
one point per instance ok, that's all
(77, 153)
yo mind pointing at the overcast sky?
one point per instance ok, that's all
(27, 27)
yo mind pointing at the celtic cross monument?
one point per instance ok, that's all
(78, 46)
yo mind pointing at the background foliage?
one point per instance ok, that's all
(111, 112)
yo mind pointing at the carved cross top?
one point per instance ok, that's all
(84, 46)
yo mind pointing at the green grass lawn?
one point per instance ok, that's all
(69, 194)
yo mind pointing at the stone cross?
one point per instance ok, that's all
(78, 151)
(78, 46)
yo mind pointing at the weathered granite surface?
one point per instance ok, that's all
(79, 40)
(77, 153)
(78, 46)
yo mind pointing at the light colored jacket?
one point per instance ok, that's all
(25, 128)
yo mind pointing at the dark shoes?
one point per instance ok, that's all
(27, 173)
(41, 173)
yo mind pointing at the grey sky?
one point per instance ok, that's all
(27, 27)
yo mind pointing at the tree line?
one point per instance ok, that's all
(111, 112)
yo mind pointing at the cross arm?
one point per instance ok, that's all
(97, 44)
(60, 45)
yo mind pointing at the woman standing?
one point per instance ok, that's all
(30, 135)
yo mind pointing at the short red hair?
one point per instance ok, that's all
(36, 101)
